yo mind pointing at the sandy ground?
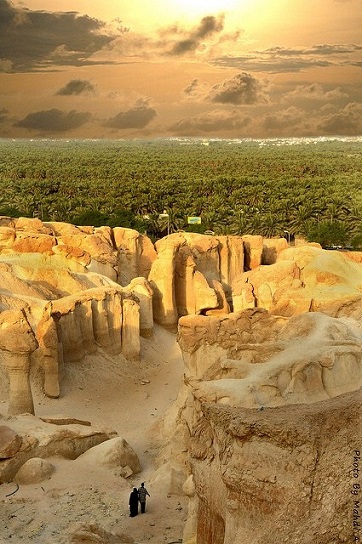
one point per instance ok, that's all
(130, 398)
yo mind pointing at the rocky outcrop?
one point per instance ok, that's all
(276, 476)
(272, 347)
(253, 359)
(272, 248)
(263, 395)
(135, 254)
(37, 439)
(17, 342)
(193, 274)
(62, 314)
(302, 280)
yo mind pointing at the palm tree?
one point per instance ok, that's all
(239, 223)
(271, 225)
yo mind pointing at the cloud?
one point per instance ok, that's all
(213, 121)
(76, 87)
(137, 117)
(192, 88)
(290, 60)
(276, 121)
(54, 120)
(172, 41)
(3, 115)
(30, 38)
(241, 89)
(315, 91)
(345, 122)
(193, 39)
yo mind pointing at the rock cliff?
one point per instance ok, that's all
(271, 339)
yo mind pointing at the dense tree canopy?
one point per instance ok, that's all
(272, 188)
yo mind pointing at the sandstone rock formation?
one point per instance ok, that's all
(27, 437)
(275, 476)
(85, 288)
(263, 396)
(302, 280)
(272, 346)
(17, 342)
(87, 533)
(34, 471)
(114, 453)
(62, 314)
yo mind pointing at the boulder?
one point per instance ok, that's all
(10, 442)
(45, 440)
(34, 471)
(91, 532)
(115, 453)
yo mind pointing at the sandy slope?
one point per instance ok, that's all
(129, 397)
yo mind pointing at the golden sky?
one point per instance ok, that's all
(150, 68)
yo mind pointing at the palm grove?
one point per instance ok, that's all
(310, 189)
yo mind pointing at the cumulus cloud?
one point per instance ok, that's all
(193, 39)
(345, 122)
(139, 116)
(280, 120)
(29, 38)
(241, 89)
(315, 91)
(212, 121)
(76, 87)
(54, 120)
(192, 88)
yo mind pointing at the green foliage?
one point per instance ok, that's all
(240, 187)
(328, 233)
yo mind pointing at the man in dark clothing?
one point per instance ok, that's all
(142, 494)
(133, 503)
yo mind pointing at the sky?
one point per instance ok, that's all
(180, 68)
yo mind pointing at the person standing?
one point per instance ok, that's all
(142, 494)
(133, 503)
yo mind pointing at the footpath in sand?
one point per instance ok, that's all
(130, 398)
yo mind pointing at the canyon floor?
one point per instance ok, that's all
(130, 398)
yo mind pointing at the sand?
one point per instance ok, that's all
(130, 398)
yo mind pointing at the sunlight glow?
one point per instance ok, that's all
(196, 8)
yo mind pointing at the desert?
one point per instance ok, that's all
(222, 371)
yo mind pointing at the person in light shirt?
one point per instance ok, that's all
(142, 494)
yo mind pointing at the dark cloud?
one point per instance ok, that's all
(239, 90)
(208, 26)
(54, 120)
(271, 65)
(76, 87)
(345, 122)
(30, 38)
(191, 89)
(288, 60)
(137, 117)
(318, 50)
(214, 121)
